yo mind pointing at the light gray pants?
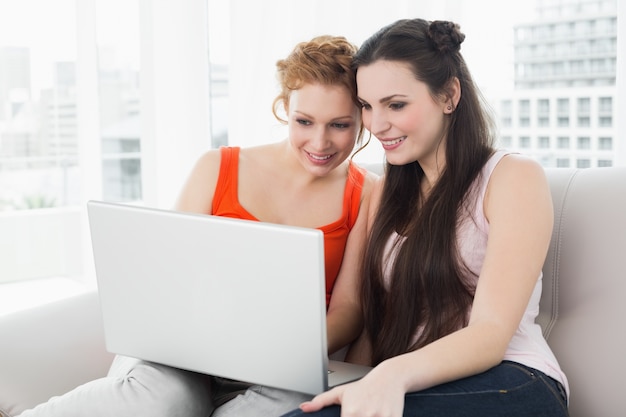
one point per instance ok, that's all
(135, 388)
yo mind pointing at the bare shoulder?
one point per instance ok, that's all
(197, 192)
(211, 157)
(260, 151)
(207, 167)
(518, 183)
(518, 170)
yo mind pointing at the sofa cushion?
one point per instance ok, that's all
(583, 303)
(49, 350)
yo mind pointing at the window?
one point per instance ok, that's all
(506, 107)
(563, 142)
(68, 56)
(584, 106)
(562, 106)
(524, 142)
(119, 99)
(605, 143)
(562, 162)
(605, 163)
(584, 143)
(583, 163)
(38, 132)
(605, 105)
(543, 107)
(584, 121)
(605, 121)
(40, 166)
(524, 107)
(544, 142)
(506, 141)
(506, 111)
(563, 121)
(524, 122)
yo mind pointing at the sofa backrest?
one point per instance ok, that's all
(583, 303)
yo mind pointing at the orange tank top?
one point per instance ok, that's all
(226, 203)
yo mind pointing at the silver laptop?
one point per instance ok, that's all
(227, 297)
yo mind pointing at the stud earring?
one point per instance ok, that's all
(449, 108)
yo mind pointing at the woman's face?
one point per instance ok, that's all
(323, 123)
(399, 110)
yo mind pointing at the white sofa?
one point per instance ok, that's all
(48, 350)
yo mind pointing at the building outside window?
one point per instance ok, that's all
(506, 141)
(605, 121)
(524, 142)
(584, 121)
(562, 162)
(605, 143)
(583, 142)
(605, 105)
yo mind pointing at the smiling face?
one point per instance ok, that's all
(401, 112)
(323, 123)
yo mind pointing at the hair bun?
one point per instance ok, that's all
(446, 36)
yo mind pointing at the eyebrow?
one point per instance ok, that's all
(386, 99)
(349, 116)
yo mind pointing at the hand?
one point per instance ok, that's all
(372, 396)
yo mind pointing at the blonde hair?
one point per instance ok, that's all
(323, 60)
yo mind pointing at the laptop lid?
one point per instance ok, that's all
(228, 297)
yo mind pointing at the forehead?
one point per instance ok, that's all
(383, 78)
(331, 101)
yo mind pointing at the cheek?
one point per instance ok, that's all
(294, 130)
(345, 140)
(421, 120)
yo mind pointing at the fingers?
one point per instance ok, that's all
(322, 400)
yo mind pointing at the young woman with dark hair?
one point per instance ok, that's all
(458, 233)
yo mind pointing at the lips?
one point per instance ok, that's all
(392, 143)
(319, 159)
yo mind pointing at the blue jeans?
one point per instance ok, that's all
(509, 389)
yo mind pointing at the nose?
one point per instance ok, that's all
(376, 122)
(320, 138)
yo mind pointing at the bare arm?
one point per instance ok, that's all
(360, 350)
(344, 317)
(518, 207)
(196, 195)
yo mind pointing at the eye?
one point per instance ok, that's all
(340, 125)
(397, 105)
(303, 122)
(365, 106)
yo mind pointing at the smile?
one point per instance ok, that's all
(319, 158)
(392, 142)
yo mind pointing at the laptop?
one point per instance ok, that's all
(233, 298)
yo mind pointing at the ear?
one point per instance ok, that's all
(453, 91)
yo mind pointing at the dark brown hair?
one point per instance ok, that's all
(429, 286)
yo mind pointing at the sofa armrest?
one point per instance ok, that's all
(49, 350)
